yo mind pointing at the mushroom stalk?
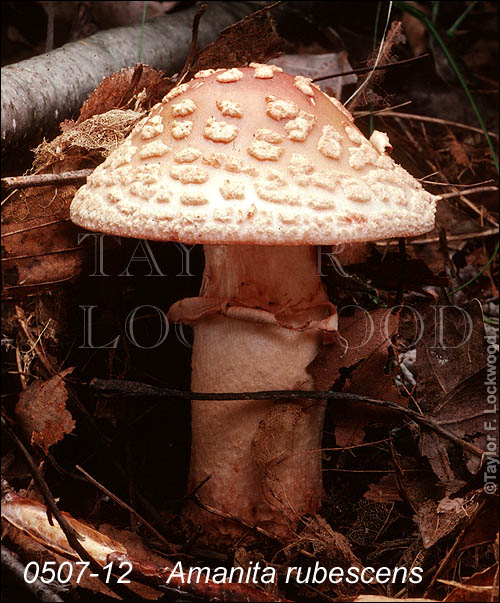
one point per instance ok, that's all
(263, 458)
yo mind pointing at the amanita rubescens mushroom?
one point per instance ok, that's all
(259, 166)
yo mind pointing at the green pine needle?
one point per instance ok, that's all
(476, 276)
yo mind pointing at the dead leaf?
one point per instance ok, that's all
(456, 399)
(361, 335)
(482, 586)
(384, 491)
(382, 56)
(41, 411)
(457, 151)
(253, 38)
(364, 337)
(39, 253)
(330, 548)
(371, 517)
(434, 523)
(484, 527)
(435, 514)
(121, 90)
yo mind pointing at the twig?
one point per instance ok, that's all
(72, 536)
(436, 120)
(368, 69)
(457, 237)
(469, 191)
(377, 111)
(192, 47)
(18, 182)
(124, 388)
(128, 508)
(40, 591)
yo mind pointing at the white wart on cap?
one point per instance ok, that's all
(252, 156)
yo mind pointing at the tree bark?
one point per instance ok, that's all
(39, 93)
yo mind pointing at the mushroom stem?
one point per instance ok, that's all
(264, 458)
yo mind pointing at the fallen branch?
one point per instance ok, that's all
(40, 591)
(32, 180)
(40, 92)
(131, 389)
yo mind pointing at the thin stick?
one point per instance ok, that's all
(458, 237)
(71, 177)
(469, 191)
(125, 389)
(192, 47)
(377, 111)
(435, 120)
(368, 69)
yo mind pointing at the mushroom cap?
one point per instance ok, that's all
(252, 155)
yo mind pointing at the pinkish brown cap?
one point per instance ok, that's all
(252, 156)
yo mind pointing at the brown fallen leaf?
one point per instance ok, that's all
(253, 38)
(41, 411)
(484, 527)
(330, 549)
(384, 491)
(38, 254)
(437, 519)
(481, 586)
(435, 515)
(37, 539)
(383, 55)
(364, 340)
(454, 397)
(124, 89)
(361, 335)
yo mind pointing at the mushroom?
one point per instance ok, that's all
(261, 167)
